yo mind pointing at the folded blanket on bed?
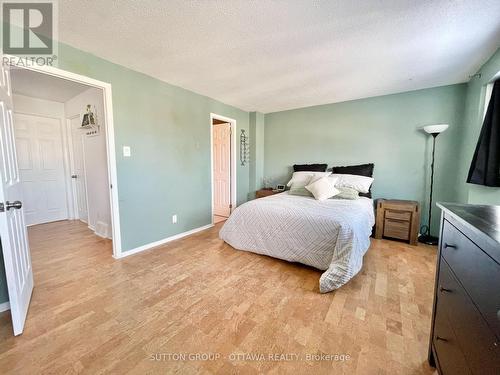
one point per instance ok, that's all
(331, 235)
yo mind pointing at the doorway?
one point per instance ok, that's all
(79, 144)
(62, 159)
(223, 167)
(39, 105)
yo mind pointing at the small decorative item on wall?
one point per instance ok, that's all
(244, 148)
(89, 121)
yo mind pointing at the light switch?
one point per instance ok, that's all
(126, 151)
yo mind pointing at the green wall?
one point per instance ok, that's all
(472, 122)
(168, 130)
(383, 130)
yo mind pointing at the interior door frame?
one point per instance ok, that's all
(71, 153)
(233, 186)
(109, 134)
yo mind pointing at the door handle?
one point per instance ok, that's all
(8, 205)
(439, 338)
(443, 289)
(447, 245)
(74, 176)
(16, 204)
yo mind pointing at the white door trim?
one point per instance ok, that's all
(110, 136)
(233, 160)
(72, 187)
(74, 192)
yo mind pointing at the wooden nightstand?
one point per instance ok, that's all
(398, 219)
(265, 193)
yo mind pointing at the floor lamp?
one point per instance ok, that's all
(425, 231)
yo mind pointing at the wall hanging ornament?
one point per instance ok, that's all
(89, 121)
(244, 148)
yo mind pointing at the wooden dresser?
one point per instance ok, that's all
(465, 333)
(398, 219)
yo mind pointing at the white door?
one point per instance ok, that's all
(15, 248)
(222, 169)
(41, 168)
(78, 169)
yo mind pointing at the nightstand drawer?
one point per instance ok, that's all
(398, 215)
(397, 229)
(478, 273)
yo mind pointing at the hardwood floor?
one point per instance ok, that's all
(93, 314)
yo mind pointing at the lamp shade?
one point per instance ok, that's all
(435, 129)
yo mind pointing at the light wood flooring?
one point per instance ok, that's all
(93, 314)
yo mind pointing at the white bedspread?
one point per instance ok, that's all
(331, 235)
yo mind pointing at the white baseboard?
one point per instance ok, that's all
(102, 229)
(163, 241)
(4, 306)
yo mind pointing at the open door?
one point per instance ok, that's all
(13, 234)
(78, 170)
(222, 169)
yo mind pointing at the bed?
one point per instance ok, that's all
(331, 235)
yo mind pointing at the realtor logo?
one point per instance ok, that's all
(29, 32)
(29, 29)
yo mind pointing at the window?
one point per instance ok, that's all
(487, 97)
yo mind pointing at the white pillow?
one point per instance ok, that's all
(306, 177)
(323, 188)
(359, 183)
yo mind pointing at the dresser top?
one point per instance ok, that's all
(486, 219)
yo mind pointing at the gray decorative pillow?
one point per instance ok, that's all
(346, 193)
(298, 185)
(302, 191)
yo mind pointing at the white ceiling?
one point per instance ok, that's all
(274, 55)
(43, 86)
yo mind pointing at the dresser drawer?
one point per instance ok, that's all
(398, 215)
(471, 331)
(397, 229)
(449, 354)
(478, 273)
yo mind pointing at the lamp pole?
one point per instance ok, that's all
(427, 237)
(434, 135)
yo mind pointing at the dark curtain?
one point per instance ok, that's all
(485, 166)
